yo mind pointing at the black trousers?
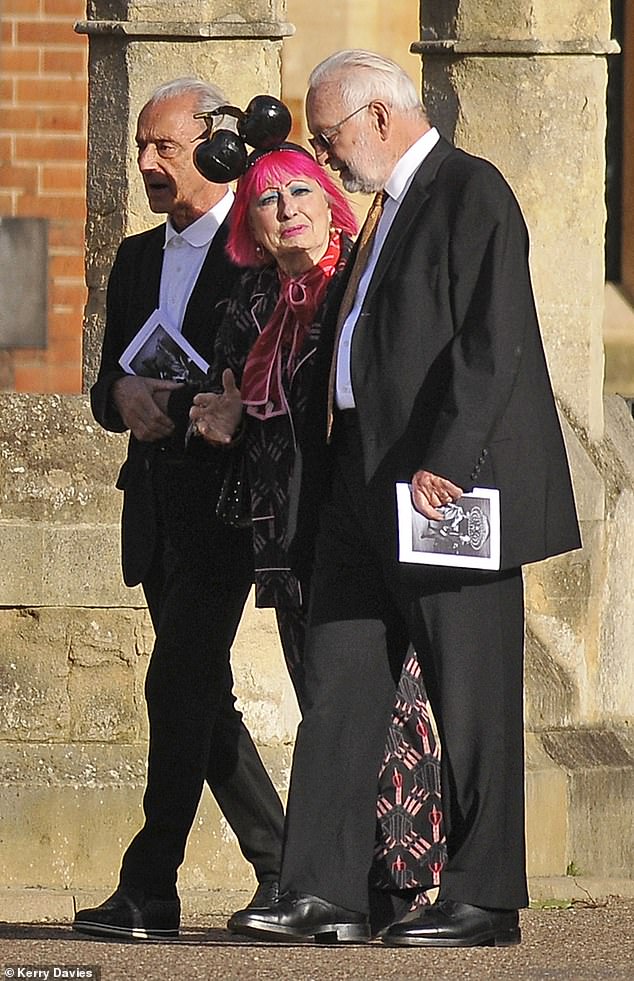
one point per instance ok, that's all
(467, 630)
(196, 590)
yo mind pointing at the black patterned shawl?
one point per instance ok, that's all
(270, 445)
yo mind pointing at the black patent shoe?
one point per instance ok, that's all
(450, 924)
(295, 916)
(264, 896)
(129, 914)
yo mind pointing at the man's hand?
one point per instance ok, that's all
(142, 403)
(430, 492)
(216, 417)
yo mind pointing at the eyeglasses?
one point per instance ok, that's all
(323, 141)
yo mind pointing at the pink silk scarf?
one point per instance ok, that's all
(276, 350)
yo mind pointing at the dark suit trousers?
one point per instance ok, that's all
(467, 630)
(196, 589)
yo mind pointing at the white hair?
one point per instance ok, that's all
(362, 76)
(208, 96)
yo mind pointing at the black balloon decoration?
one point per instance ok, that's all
(222, 156)
(266, 122)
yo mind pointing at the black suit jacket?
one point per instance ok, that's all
(448, 368)
(133, 294)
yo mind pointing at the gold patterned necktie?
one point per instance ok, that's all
(366, 238)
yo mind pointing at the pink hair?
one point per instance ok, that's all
(280, 166)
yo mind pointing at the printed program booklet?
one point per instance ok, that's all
(468, 536)
(159, 350)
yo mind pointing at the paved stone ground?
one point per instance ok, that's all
(586, 941)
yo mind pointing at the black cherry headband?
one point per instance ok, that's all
(264, 125)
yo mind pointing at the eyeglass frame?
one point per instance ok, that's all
(322, 142)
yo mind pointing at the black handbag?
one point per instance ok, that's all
(234, 500)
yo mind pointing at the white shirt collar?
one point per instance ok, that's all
(201, 232)
(401, 177)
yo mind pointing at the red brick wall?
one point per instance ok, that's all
(43, 97)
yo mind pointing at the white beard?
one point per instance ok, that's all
(363, 177)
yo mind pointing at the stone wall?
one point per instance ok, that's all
(74, 641)
(74, 647)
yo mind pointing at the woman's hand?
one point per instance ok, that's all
(430, 492)
(217, 417)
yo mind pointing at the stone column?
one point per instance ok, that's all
(133, 47)
(74, 641)
(524, 84)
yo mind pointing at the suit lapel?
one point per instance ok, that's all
(150, 275)
(205, 287)
(410, 209)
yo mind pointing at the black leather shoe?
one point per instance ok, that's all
(295, 916)
(128, 913)
(450, 924)
(264, 896)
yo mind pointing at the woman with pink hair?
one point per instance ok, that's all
(292, 228)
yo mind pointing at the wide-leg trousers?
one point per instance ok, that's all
(467, 631)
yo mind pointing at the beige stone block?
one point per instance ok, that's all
(619, 366)
(22, 549)
(65, 674)
(615, 680)
(71, 765)
(587, 479)
(518, 19)
(600, 767)
(58, 464)
(109, 652)
(579, 888)
(104, 703)
(616, 452)
(566, 610)
(561, 587)
(602, 819)
(68, 811)
(63, 838)
(618, 338)
(217, 61)
(37, 906)
(552, 696)
(48, 564)
(98, 636)
(34, 674)
(547, 832)
(81, 566)
(209, 10)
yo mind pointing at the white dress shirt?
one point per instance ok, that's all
(396, 188)
(183, 256)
